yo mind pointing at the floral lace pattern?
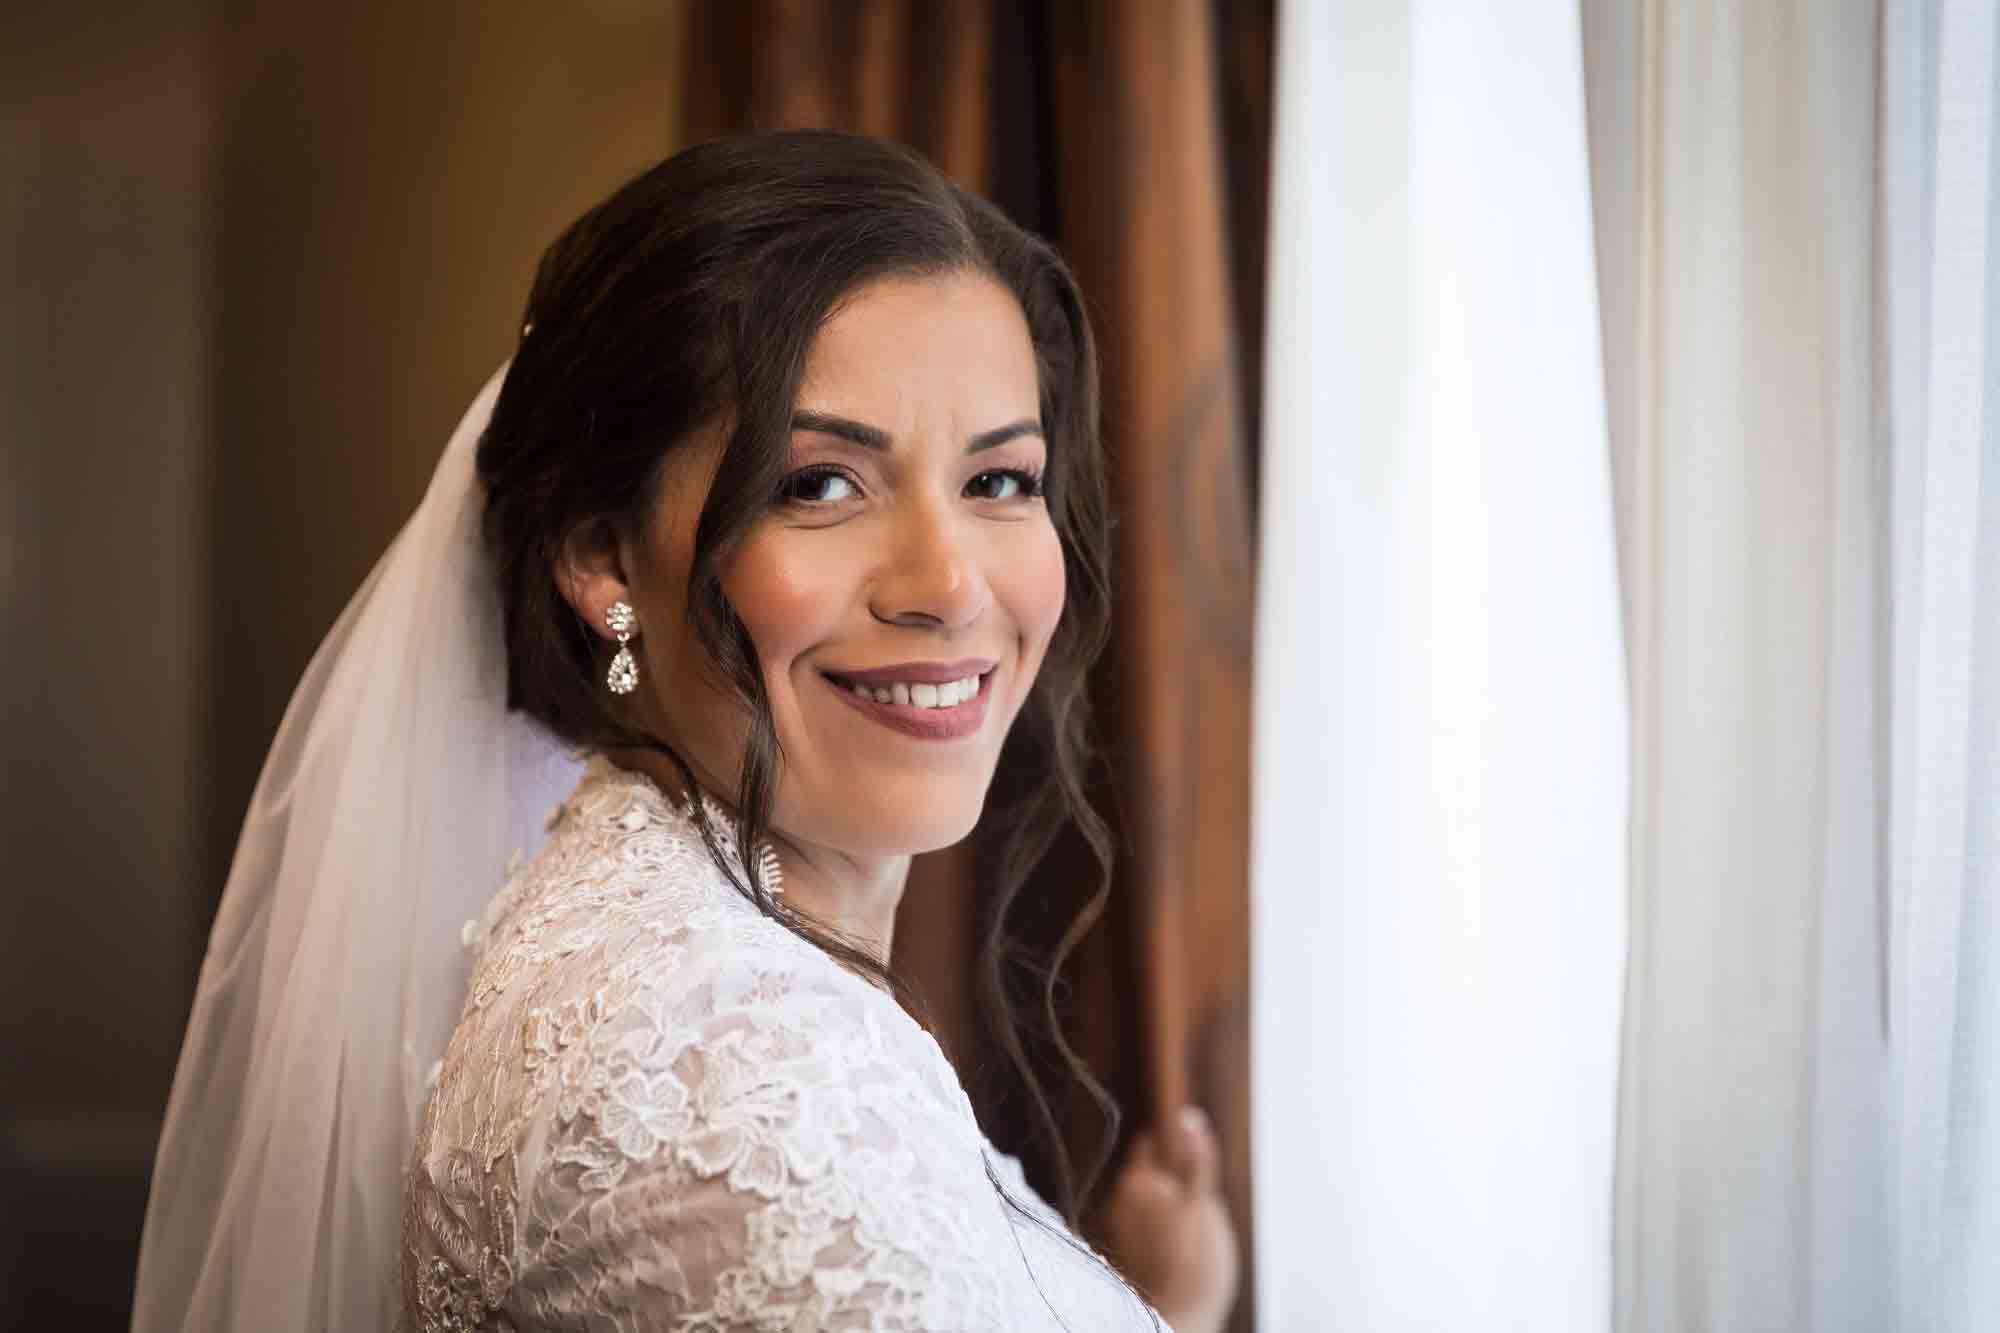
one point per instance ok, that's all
(663, 1111)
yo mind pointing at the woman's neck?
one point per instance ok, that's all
(854, 897)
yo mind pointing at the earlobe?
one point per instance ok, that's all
(591, 576)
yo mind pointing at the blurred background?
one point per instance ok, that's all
(257, 260)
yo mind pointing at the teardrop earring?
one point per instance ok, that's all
(623, 677)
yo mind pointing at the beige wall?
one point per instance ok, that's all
(106, 413)
(389, 176)
(258, 258)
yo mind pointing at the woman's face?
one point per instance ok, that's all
(902, 588)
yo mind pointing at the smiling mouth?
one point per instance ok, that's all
(927, 711)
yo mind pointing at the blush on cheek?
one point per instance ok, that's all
(1031, 585)
(780, 595)
(791, 593)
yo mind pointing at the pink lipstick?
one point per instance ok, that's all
(927, 700)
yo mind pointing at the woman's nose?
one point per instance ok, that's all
(933, 577)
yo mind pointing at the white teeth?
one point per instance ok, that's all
(948, 695)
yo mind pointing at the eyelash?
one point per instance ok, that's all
(1030, 482)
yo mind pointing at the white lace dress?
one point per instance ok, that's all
(662, 1110)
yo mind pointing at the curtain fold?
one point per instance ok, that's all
(1140, 162)
(1741, 359)
(1941, 385)
(1440, 775)
(1795, 211)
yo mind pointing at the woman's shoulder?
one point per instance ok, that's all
(644, 1051)
(622, 949)
(616, 835)
(622, 865)
(662, 1102)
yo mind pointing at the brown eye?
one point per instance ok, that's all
(1005, 484)
(816, 486)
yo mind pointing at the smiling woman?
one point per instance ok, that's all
(788, 518)
(909, 550)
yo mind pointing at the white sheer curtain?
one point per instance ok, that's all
(1440, 746)
(1795, 220)
(1942, 213)
(1734, 154)
(1795, 210)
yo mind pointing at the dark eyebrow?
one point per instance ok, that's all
(1013, 430)
(870, 437)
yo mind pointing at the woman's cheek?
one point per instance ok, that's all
(1033, 586)
(779, 587)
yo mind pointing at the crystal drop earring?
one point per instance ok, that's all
(623, 677)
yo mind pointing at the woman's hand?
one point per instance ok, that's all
(1167, 1227)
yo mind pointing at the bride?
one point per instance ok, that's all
(785, 516)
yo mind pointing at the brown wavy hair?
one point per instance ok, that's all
(693, 294)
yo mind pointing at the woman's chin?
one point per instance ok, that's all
(906, 832)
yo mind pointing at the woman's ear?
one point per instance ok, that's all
(590, 573)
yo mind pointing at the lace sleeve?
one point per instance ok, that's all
(663, 1111)
(755, 1152)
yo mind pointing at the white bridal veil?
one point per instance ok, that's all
(392, 798)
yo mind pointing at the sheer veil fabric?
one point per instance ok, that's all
(394, 795)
